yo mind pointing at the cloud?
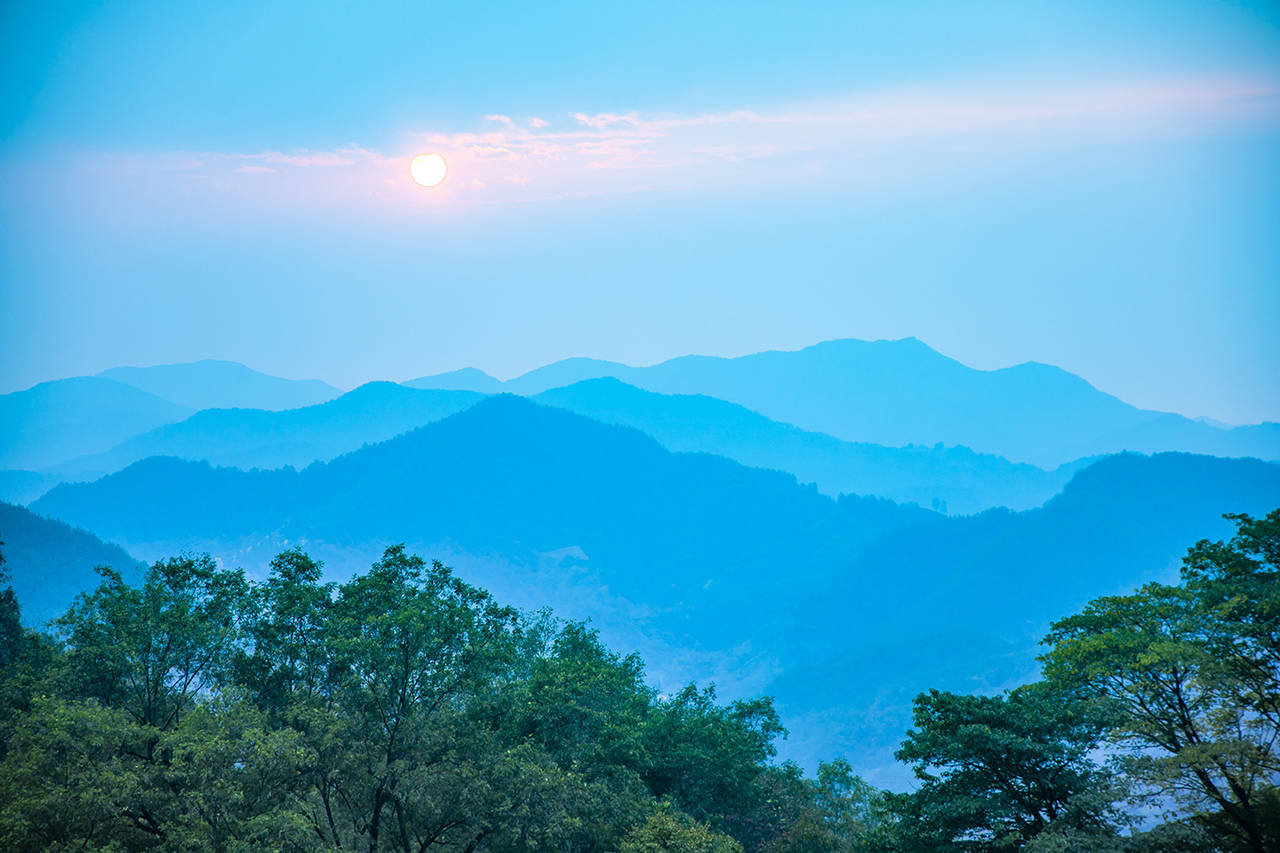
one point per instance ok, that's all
(876, 137)
(602, 120)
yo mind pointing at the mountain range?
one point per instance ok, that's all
(953, 479)
(950, 479)
(55, 421)
(903, 392)
(212, 384)
(257, 438)
(734, 569)
(890, 418)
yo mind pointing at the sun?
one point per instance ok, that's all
(428, 170)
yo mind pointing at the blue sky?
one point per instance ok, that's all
(1093, 185)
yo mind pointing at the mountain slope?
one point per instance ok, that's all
(211, 384)
(746, 575)
(504, 476)
(49, 562)
(903, 392)
(255, 438)
(466, 379)
(55, 421)
(954, 477)
(960, 603)
(22, 487)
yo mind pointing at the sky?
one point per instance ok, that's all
(1091, 185)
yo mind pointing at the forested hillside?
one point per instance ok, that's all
(51, 562)
(718, 568)
(406, 710)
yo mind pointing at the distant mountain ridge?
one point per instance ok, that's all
(903, 392)
(255, 438)
(213, 384)
(953, 479)
(59, 420)
(950, 479)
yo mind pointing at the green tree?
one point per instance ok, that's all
(669, 831)
(1187, 708)
(401, 767)
(708, 758)
(835, 811)
(70, 780)
(998, 771)
(1238, 583)
(289, 659)
(152, 650)
(10, 620)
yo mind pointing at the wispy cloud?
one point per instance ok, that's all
(589, 153)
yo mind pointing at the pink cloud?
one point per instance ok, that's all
(850, 139)
(603, 120)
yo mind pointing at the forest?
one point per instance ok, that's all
(407, 710)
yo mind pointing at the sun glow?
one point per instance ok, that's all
(428, 170)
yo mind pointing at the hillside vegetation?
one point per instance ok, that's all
(406, 710)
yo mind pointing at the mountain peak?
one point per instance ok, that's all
(465, 379)
(216, 384)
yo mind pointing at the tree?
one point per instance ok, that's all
(1180, 666)
(152, 650)
(669, 831)
(1238, 583)
(997, 771)
(400, 765)
(289, 659)
(833, 812)
(708, 758)
(10, 620)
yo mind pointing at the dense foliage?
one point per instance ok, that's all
(406, 710)
(1162, 704)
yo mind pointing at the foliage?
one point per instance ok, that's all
(1193, 675)
(997, 771)
(667, 831)
(404, 710)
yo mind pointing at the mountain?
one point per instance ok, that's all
(49, 562)
(22, 487)
(211, 384)
(960, 603)
(506, 476)
(255, 438)
(841, 608)
(903, 392)
(466, 379)
(55, 421)
(953, 479)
